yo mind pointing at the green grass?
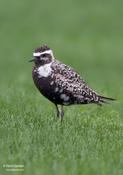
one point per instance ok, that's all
(88, 36)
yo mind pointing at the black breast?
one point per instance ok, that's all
(46, 85)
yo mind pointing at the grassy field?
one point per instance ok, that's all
(88, 35)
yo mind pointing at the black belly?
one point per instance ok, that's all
(46, 89)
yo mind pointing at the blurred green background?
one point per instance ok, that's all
(87, 35)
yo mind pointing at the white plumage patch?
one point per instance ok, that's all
(45, 70)
(64, 97)
(56, 89)
(37, 54)
(51, 83)
(61, 90)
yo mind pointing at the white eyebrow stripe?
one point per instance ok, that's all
(36, 54)
(39, 54)
(48, 52)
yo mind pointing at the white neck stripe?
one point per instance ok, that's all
(41, 53)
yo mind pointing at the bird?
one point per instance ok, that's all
(60, 83)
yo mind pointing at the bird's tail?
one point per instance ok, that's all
(103, 99)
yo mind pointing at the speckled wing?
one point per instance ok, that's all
(68, 80)
(67, 72)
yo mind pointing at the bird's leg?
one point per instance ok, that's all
(57, 110)
(62, 113)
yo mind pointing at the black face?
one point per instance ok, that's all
(43, 59)
(42, 55)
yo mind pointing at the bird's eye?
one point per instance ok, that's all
(43, 55)
(38, 57)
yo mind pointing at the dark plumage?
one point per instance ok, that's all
(42, 49)
(60, 83)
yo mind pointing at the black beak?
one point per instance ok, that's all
(31, 60)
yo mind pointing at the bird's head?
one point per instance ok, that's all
(42, 55)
